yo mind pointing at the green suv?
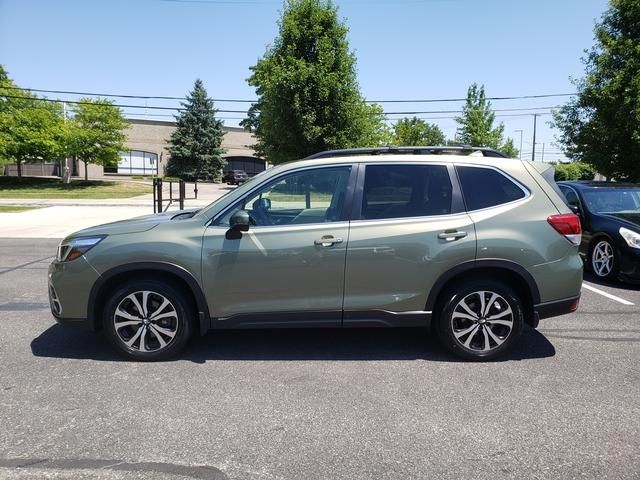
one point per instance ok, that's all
(471, 243)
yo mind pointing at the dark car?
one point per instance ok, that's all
(235, 177)
(610, 216)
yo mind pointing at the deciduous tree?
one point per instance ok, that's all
(96, 133)
(415, 132)
(31, 128)
(308, 95)
(601, 125)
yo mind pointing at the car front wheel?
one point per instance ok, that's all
(147, 320)
(480, 320)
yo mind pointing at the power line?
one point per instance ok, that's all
(76, 102)
(152, 107)
(459, 111)
(235, 100)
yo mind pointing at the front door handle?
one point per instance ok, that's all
(451, 235)
(327, 241)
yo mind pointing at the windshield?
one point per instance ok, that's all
(613, 200)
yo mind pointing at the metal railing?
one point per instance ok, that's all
(159, 198)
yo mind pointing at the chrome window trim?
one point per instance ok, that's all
(222, 213)
(525, 190)
(402, 219)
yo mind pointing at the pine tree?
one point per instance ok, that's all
(476, 124)
(195, 145)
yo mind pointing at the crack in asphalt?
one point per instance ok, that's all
(199, 472)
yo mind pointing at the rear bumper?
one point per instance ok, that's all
(556, 307)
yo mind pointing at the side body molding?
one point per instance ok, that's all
(160, 267)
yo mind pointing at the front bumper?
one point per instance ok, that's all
(629, 264)
(70, 284)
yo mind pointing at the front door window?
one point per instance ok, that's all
(309, 196)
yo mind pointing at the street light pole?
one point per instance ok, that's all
(521, 132)
(533, 151)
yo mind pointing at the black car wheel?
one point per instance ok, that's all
(603, 260)
(148, 320)
(480, 320)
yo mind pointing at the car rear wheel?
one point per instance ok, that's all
(147, 320)
(603, 260)
(480, 320)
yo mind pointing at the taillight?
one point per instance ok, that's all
(567, 224)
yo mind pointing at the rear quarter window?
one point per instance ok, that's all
(485, 187)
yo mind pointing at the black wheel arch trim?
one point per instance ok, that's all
(182, 273)
(478, 264)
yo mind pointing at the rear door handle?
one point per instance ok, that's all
(450, 236)
(327, 241)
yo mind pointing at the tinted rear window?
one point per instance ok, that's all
(396, 191)
(485, 187)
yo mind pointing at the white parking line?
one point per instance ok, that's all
(608, 295)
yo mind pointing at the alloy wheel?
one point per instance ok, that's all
(482, 321)
(145, 321)
(602, 258)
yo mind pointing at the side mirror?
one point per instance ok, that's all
(575, 209)
(240, 221)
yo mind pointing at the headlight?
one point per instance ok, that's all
(632, 238)
(76, 247)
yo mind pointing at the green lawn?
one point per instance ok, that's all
(40, 188)
(16, 208)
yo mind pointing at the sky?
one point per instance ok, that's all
(405, 50)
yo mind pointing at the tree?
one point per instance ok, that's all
(509, 149)
(476, 124)
(416, 132)
(601, 125)
(95, 134)
(31, 128)
(574, 171)
(195, 145)
(308, 95)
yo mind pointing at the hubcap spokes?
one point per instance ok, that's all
(145, 321)
(482, 321)
(602, 259)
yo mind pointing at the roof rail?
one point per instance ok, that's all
(441, 150)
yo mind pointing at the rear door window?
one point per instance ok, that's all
(396, 191)
(485, 187)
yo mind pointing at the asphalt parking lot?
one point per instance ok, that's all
(310, 404)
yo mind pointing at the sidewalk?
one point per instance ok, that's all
(61, 217)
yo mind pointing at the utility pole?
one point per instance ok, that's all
(66, 174)
(533, 151)
(521, 132)
(542, 152)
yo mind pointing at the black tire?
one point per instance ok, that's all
(173, 326)
(473, 345)
(594, 260)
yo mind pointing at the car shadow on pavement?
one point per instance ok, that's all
(282, 344)
(591, 278)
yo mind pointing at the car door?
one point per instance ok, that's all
(408, 228)
(288, 268)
